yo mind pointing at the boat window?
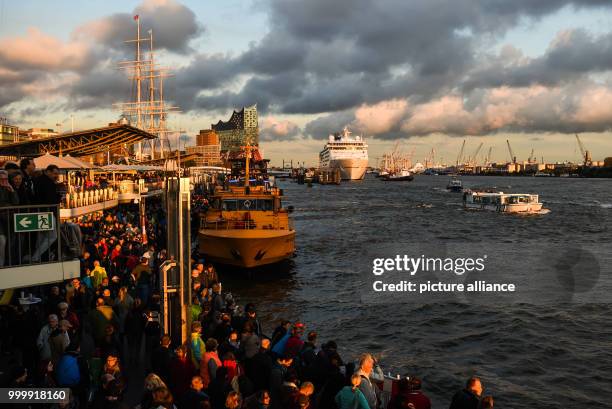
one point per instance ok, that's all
(230, 205)
(265, 205)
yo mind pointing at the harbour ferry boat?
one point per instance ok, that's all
(345, 153)
(502, 202)
(455, 185)
(399, 176)
(246, 225)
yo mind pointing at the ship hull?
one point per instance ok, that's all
(399, 178)
(350, 169)
(507, 208)
(247, 248)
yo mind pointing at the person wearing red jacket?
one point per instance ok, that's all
(181, 372)
(409, 393)
(295, 343)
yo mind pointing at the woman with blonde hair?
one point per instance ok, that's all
(151, 382)
(350, 397)
(113, 367)
(233, 400)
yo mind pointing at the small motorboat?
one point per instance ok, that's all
(399, 176)
(503, 202)
(455, 185)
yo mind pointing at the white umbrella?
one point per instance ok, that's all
(47, 159)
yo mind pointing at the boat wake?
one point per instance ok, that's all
(530, 214)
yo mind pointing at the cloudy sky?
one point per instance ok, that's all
(428, 73)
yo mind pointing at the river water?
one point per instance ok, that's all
(529, 354)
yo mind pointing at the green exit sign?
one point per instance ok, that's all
(25, 222)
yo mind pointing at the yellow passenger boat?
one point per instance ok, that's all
(246, 224)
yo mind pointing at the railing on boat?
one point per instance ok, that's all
(242, 224)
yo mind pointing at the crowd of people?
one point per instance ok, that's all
(96, 333)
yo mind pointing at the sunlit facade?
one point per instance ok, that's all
(8, 133)
(241, 128)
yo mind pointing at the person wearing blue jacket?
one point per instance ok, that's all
(350, 397)
(72, 372)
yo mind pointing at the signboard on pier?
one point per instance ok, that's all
(28, 222)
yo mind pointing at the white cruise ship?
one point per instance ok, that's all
(345, 153)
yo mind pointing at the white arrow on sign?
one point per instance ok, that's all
(25, 222)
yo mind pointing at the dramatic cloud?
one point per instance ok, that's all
(173, 25)
(36, 50)
(386, 68)
(321, 127)
(572, 54)
(101, 88)
(39, 65)
(342, 54)
(82, 69)
(381, 117)
(272, 129)
(581, 106)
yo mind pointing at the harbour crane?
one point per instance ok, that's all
(532, 158)
(512, 156)
(586, 154)
(460, 156)
(473, 159)
(488, 157)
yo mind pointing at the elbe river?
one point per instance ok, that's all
(529, 353)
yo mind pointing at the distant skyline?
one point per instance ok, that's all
(426, 73)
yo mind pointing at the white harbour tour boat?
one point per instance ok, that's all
(502, 202)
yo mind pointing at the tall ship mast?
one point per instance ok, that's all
(147, 109)
(347, 154)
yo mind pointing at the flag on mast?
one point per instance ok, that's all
(136, 17)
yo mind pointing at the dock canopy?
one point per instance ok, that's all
(80, 143)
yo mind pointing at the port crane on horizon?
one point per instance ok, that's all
(512, 155)
(472, 160)
(488, 157)
(460, 156)
(586, 154)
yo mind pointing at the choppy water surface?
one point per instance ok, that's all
(529, 356)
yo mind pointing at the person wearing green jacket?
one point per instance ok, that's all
(98, 274)
(197, 347)
(350, 397)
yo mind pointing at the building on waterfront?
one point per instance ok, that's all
(38, 133)
(8, 133)
(241, 128)
(207, 148)
(207, 137)
(208, 155)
